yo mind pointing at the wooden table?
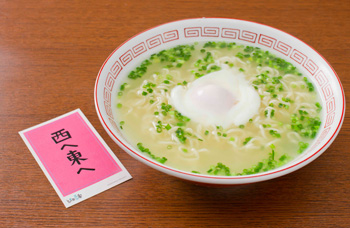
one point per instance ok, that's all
(50, 54)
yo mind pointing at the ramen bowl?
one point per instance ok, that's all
(131, 53)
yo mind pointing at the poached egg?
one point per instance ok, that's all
(220, 98)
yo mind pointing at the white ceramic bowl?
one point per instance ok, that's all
(138, 48)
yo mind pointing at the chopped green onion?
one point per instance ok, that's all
(123, 86)
(302, 147)
(319, 107)
(220, 169)
(147, 151)
(275, 134)
(180, 134)
(283, 158)
(247, 140)
(272, 113)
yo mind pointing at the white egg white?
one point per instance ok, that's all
(220, 98)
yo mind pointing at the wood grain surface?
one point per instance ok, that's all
(50, 54)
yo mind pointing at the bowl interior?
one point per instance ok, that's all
(132, 52)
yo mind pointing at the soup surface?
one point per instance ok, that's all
(218, 108)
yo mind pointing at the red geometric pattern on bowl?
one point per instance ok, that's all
(327, 91)
(236, 34)
(311, 66)
(283, 48)
(107, 95)
(248, 36)
(298, 57)
(114, 125)
(210, 32)
(154, 41)
(139, 49)
(109, 81)
(330, 105)
(170, 36)
(329, 119)
(230, 33)
(115, 69)
(192, 32)
(321, 78)
(323, 135)
(108, 109)
(126, 57)
(266, 41)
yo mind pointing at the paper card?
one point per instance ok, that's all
(74, 157)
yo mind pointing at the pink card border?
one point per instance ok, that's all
(26, 134)
(94, 187)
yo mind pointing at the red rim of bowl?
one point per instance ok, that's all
(325, 146)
